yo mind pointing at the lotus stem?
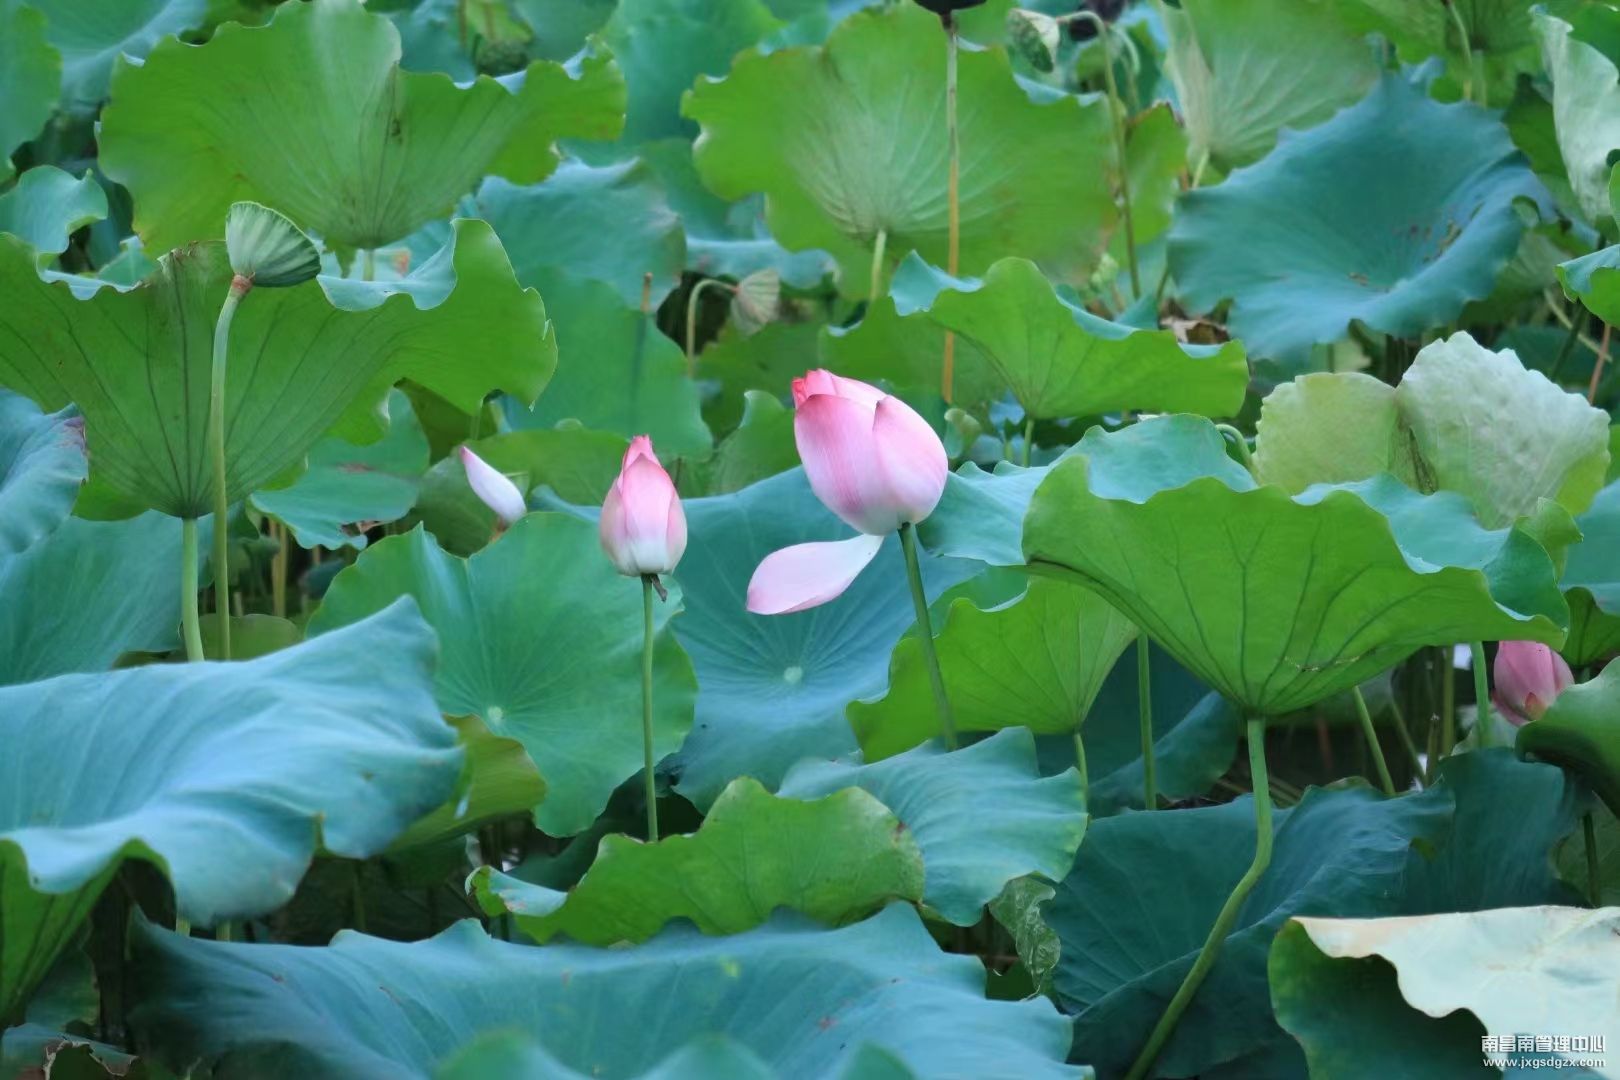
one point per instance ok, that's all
(1597, 367)
(1448, 709)
(1229, 911)
(1371, 733)
(1482, 695)
(650, 777)
(925, 633)
(1116, 127)
(278, 570)
(368, 264)
(1080, 763)
(1594, 878)
(1029, 440)
(189, 622)
(952, 195)
(1405, 734)
(1467, 53)
(875, 289)
(692, 317)
(1144, 709)
(216, 441)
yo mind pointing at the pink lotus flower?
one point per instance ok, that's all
(1529, 677)
(643, 527)
(872, 461)
(495, 490)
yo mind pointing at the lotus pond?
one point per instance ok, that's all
(809, 539)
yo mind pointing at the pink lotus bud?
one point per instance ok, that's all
(1529, 677)
(643, 527)
(869, 457)
(497, 492)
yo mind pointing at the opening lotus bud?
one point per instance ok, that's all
(1529, 677)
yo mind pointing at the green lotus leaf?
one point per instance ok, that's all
(88, 592)
(1018, 910)
(664, 46)
(1579, 733)
(335, 743)
(42, 464)
(1278, 602)
(762, 446)
(881, 168)
(1591, 581)
(616, 372)
(981, 815)
(981, 514)
(499, 779)
(90, 35)
(1499, 35)
(705, 1057)
(47, 205)
(1339, 851)
(801, 997)
(1155, 159)
(1586, 111)
(137, 361)
(516, 652)
(346, 486)
(608, 224)
(835, 859)
(1547, 971)
(561, 27)
(192, 130)
(1234, 94)
(737, 365)
(1393, 214)
(1059, 359)
(1331, 428)
(1594, 280)
(1036, 662)
(904, 351)
(774, 687)
(30, 77)
(1502, 435)
(577, 465)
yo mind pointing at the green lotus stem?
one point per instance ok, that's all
(691, 319)
(1482, 695)
(368, 264)
(1565, 349)
(1401, 729)
(1467, 53)
(651, 780)
(953, 195)
(1029, 439)
(216, 442)
(1080, 763)
(278, 570)
(875, 289)
(1116, 125)
(1594, 879)
(925, 633)
(1448, 708)
(1371, 733)
(1229, 911)
(189, 621)
(1144, 711)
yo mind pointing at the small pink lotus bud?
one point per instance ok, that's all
(497, 492)
(643, 527)
(1529, 677)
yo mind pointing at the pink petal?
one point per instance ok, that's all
(493, 489)
(807, 575)
(640, 447)
(834, 436)
(910, 459)
(822, 381)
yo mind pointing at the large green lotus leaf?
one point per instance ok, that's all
(561, 27)
(312, 115)
(1059, 359)
(47, 205)
(1155, 159)
(772, 356)
(981, 815)
(981, 514)
(835, 859)
(88, 592)
(1592, 581)
(1339, 851)
(227, 779)
(616, 371)
(801, 997)
(42, 464)
(1033, 181)
(1348, 1017)
(498, 780)
(1036, 662)
(1594, 280)
(92, 34)
(1236, 91)
(1579, 732)
(1502, 435)
(774, 687)
(762, 446)
(1331, 428)
(704, 1058)
(541, 639)
(1393, 214)
(348, 488)
(664, 46)
(1586, 111)
(904, 351)
(1510, 816)
(1500, 37)
(30, 77)
(136, 361)
(1538, 971)
(1278, 602)
(609, 224)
